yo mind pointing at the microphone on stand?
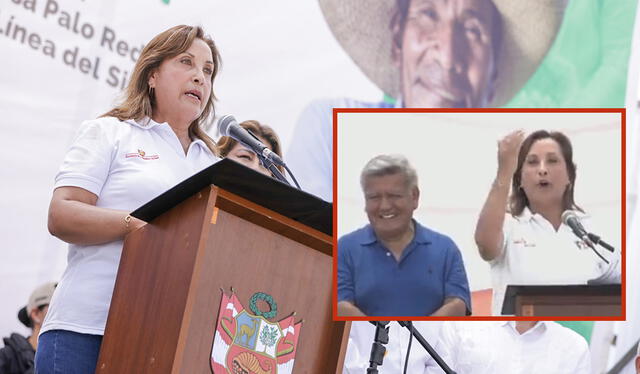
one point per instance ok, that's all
(597, 240)
(228, 126)
(571, 219)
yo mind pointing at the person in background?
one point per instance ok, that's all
(136, 151)
(17, 356)
(504, 347)
(522, 235)
(230, 148)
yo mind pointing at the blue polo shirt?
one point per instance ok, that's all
(430, 270)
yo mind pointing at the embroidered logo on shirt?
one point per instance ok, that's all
(524, 243)
(142, 154)
(581, 244)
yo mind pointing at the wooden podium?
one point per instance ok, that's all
(227, 227)
(570, 300)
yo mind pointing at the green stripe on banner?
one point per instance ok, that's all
(388, 99)
(584, 328)
(587, 64)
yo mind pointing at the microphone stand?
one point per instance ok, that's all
(591, 240)
(590, 245)
(276, 172)
(273, 169)
(271, 166)
(443, 365)
(570, 219)
(595, 239)
(377, 348)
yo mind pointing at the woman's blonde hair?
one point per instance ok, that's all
(139, 101)
(226, 144)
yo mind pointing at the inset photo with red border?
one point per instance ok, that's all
(482, 214)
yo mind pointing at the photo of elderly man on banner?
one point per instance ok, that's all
(469, 54)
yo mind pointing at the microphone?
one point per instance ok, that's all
(570, 218)
(228, 126)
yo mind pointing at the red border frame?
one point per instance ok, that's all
(622, 112)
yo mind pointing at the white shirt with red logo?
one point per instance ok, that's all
(126, 164)
(534, 253)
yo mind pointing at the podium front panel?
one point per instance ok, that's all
(174, 271)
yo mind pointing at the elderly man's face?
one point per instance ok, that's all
(389, 204)
(447, 54)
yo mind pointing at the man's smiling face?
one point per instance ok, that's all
(389, 204)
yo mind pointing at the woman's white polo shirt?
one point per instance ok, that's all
(534, 253)
(126, 164)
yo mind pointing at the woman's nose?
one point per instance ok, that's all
(542, 169)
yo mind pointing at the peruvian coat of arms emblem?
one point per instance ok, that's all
(248, 343)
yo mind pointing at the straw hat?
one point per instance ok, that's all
(362, 28)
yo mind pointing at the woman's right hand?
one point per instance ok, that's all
(508, 148)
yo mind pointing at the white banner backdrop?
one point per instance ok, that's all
(65, 61)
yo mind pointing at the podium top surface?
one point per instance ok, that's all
(251, 185)
(509, 305)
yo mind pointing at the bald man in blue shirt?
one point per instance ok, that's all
(394, 266)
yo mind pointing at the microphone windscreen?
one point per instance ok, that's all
(567, 215)
(224, 123)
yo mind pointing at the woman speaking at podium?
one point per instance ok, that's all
(531, 244)
(118, 162)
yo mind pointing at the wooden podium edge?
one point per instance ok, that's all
(276, 222)
(193, 284)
